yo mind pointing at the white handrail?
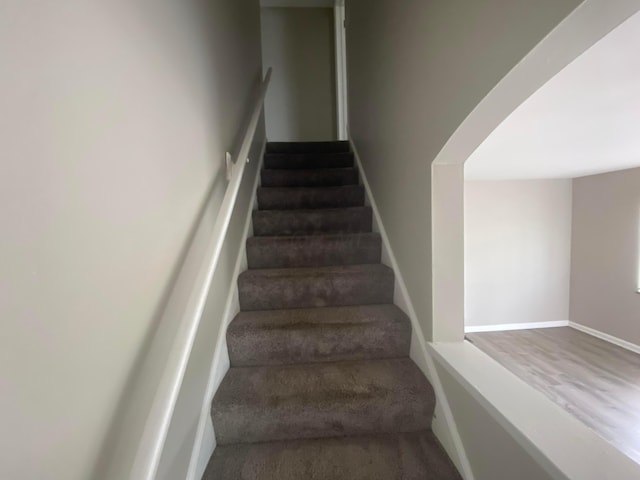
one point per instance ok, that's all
(157, 424)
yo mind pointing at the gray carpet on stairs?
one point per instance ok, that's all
(299, 198)
(320, 386)
(328, 177)
(408, 456)
(260, 404)
(313, 250)
(310, 335)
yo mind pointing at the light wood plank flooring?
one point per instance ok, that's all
(594, 380)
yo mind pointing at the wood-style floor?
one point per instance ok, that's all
(594, 380)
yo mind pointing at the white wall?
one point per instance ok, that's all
(577, 124)
(606, 253)
(517, 251)
(116, 116)
(299, 44)
(416, 70)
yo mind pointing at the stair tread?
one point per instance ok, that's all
(302, 147)
(309, 177)
(303, 238)
(310, 221)
(319, 317)
(314, 211)
(368, 269)
(308, 160)
(322, 399)
(333, 188)
(309, 171)
(406, 456)
(307, 335)
(313, 250)
(296, 198)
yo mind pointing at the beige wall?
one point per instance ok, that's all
(416, 69)
(299, 44)
(605, 253)
(115, 119)
(517, 251)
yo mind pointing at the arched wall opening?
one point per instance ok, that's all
(590, 22)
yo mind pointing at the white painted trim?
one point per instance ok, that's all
(184, 308)
(561, 444)
(515, 326)
(606, 337)
(447, 433)
(341, 69)
(205, 443)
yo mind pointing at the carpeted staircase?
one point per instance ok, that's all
(321, 386)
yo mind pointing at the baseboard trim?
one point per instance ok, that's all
(204, 444)
(419, 352)
(515, 326)
(606, 337)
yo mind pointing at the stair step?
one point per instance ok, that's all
(313, 250)
(276, 289)
(258, 404)
(405, 456)
(308, 160)
(286, 337)
(326, 177)
(309, 222)
(308, 147)
(285, 198)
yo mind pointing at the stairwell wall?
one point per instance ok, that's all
(415, 72)
(116, 116)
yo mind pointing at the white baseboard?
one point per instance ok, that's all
(205, 441)
(606, 337)
(447, 433)
(515, 326)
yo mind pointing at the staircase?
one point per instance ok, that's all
(320, 385)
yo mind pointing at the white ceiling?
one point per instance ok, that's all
(585, 120)
(297, 3)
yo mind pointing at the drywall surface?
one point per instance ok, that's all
(492, 452)
(416, 70)
(298, 43)
(578, 123)
(116, 117)
(605, 262)
(517, 251)
(511, 430)
(182, 434)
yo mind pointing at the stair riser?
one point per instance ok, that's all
(310, 222)
(309, 178)
(308, 160)
(337, 289)
(315, 251)
(308, 147)
(288, 344)
(308, 198)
